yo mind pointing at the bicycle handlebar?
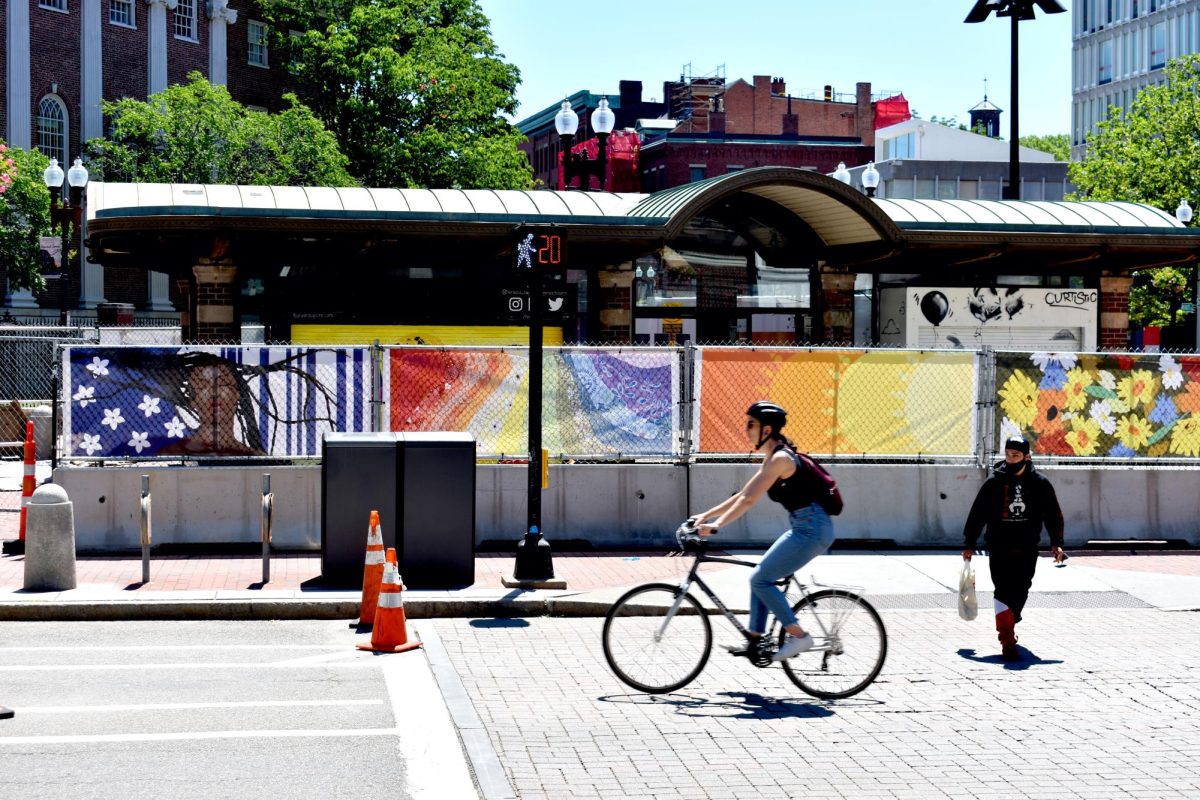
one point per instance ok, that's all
(686, 536)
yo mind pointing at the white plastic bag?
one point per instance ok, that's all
(968, 606)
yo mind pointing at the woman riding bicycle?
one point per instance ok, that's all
(810, 534)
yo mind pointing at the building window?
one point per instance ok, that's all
(899, 147)
(120, 12)
(53, 5)
(1158, 46)
(733, 168)
(52, 128)
(697, 172)
(185, 19)
(256, 39)
(1106, 62)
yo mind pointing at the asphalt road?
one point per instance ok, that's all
(220, 710)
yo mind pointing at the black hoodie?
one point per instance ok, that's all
(1014, 508)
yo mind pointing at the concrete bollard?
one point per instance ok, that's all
(50, 540)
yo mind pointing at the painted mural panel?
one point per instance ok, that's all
(844, 402)
(211, 401)
(593, 402)
(1003, 317)
(1100, 406)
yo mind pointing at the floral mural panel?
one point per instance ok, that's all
(1143, 405)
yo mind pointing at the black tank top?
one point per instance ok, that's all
(790, 492)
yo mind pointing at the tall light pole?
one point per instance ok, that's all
(1017, 11)
(67, 214)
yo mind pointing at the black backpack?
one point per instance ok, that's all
(820, 485)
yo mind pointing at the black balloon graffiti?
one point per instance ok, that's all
(935, 306)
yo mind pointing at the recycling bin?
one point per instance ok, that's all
(437, 509)
(358, 475)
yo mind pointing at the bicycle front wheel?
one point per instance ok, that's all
(657, 638)
(849, 645)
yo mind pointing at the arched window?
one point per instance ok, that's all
(52, 128)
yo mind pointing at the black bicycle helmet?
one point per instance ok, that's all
(768, 414)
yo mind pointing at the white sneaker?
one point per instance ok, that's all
(793, 646)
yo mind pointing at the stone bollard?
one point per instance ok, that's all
(50, 540)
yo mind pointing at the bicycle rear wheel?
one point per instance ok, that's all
(849, 645)
(657, 639)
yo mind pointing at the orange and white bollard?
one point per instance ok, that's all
(27, 483)
(390, 634)
(372, 573)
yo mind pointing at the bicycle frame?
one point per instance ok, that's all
(693, 577)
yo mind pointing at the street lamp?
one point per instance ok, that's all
(841, 173)
(1018, 11)
(1183, 212)
(68, 214)
(870, 179)
(578, 165)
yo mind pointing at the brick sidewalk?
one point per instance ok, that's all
(582, 571)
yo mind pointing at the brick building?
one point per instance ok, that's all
(723, 127)
(63, 57)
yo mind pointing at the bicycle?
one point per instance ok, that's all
(657, 637)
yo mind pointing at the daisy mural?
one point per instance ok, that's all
(1096, 406)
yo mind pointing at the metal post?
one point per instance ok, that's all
(533, 560)
(145, 529)
(54, 422)
(268, 509)
(1014, 158)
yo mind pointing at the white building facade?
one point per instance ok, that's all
(1118, 47)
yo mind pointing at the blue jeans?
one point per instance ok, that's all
(810, 535)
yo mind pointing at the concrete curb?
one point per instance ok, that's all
(235, 609)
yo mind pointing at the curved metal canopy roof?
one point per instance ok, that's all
(1030, 216)
(112, 200)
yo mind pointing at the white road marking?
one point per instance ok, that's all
(194, 735)
(359, 663)
(190, 706)
(143, 647)
(435, 766)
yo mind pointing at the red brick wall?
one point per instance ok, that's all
(754, 108)
(249, 84)
(4, 76)
(54, 56)
(717, 156)
(1114, 313)
(126, 56)
(184, 55)
(126, 285)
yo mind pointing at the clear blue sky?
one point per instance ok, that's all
(919, 47)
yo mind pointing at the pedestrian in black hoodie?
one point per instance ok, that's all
(1014, 504)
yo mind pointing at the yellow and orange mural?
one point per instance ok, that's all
(843, 402)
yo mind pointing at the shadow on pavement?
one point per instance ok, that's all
(1028, 659)
(499, 623)
(739, 705)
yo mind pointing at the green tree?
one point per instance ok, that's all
(1151, 155)
(24, 215)
(197, 133)
(1056, 144)
(1157, 294)
(414, 89)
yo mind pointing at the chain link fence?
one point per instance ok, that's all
(611, 404)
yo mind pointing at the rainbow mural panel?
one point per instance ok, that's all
(594, 402)
(840, 402)
(1100, 405)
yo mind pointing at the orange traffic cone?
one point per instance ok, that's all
(390, 634)
(372, 573)
(30, 476)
